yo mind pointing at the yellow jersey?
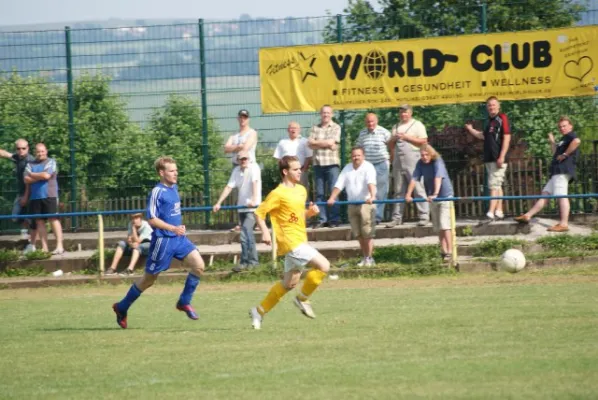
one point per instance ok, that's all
(286, 206)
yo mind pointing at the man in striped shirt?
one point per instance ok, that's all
(374, 140)
(324, 140)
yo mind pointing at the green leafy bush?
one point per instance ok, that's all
(494, 247)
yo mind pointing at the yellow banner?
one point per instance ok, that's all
(457, 69)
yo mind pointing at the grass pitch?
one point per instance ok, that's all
(532, 336)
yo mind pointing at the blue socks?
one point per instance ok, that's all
(132, 295)
(190, 286)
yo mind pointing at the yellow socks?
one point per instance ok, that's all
(313, 279)
(272, 298)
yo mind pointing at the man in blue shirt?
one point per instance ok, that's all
(168, 242)
(41, 175)
(562, 171)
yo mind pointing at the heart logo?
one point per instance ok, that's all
(579, 69)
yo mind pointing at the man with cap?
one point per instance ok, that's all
(244, 140)
(408, 135)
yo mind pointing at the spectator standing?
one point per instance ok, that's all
(245, 140)
(297, 146)
(40, 175)
(374, 140)
(562, 171)
(359, 180)
(497, 138)
(324, 139)
(21, 158)
(437, 184)
(408, 135)
(247, 179)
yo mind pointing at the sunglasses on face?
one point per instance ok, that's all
(243, 159)
(21, 148)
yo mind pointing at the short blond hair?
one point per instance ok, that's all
(160, 163)
(434, 155)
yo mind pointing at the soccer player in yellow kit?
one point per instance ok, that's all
(286, 206)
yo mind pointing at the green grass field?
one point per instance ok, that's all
(533, 335)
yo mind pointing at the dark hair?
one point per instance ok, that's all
(284, 163)
(358, 148)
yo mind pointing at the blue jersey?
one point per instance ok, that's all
(43, 189)
(164, 203)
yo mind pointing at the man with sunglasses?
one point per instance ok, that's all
(20, 158)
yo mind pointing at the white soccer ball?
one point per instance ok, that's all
(512, 261)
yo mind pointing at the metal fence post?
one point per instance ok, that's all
(204, 121)
(70, 98)
(484, 29)
(341, 119)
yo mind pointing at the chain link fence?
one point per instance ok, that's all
(108, 101)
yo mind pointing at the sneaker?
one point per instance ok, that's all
(24, 234)
(29, 249)
(489, 217)
(447, 258)
(256, 318)
(305, 307)
(127, 272)
(239, 268)
(370, 262)
(110, 271)
(423, 222)
(121, 319)
(394, 222)
(558, 228)
(522, 219)
(362, 262)
(319, 225)
(334, 225)
(499, 215)
(187, 309)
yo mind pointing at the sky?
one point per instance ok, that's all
(43, 12)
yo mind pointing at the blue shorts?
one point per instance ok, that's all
(163, 249)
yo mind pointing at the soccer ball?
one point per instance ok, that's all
(512, 261)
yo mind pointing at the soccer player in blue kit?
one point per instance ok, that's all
(168, 241)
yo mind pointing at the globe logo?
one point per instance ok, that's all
(374, 64)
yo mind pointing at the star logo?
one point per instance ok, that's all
(305, 66)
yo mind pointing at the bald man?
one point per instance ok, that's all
(20, 158)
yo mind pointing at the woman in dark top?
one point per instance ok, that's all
(562, 171)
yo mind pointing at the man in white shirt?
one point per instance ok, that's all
(139, 235)
(247, 178)
(408, 135)
(245, 140)
(296, 146)
(359, 180)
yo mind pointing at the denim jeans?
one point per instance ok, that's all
(325, 179)
(382, 171)
(248, 249)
